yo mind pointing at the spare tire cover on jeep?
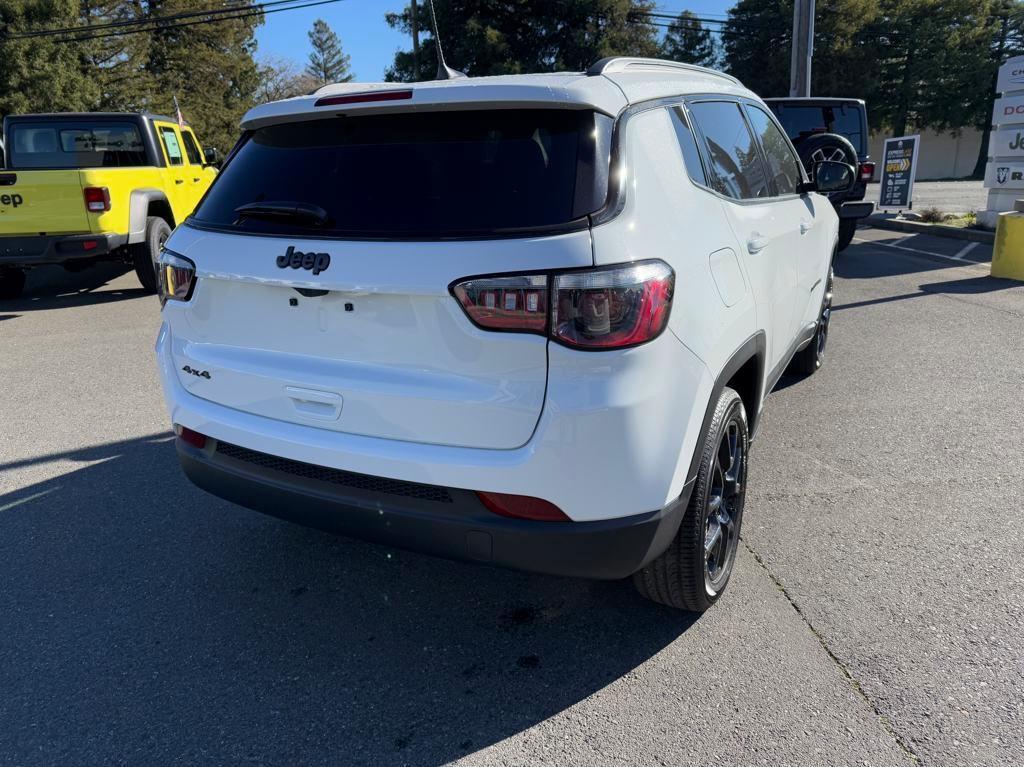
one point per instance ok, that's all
(826, 146)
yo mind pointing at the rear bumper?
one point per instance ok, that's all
(39, 250)
(856, 209)
(442, 521)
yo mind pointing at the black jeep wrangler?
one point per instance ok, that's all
(832, 129)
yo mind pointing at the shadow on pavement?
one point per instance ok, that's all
(52, 287)
(147, 622)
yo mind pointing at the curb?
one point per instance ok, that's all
(936, 230)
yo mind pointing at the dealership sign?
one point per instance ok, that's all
(1008, 110)
(899, 166)
(1007, 142)
(1004, 175)
(1011, 76)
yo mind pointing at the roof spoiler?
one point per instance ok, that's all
(615, 64)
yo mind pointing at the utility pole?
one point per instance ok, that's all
(803, 48)
(415, 43)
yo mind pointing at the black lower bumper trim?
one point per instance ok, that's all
(460, 528)
(39, 250)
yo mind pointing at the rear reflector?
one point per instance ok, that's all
(522, 507)
(867, 171)
(190, 437)
(89, 245)
(363, 98)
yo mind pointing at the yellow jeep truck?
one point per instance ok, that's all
(78, 188)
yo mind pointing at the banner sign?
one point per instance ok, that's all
(899, 165)
(1004, 175)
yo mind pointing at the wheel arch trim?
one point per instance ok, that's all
(753, 350)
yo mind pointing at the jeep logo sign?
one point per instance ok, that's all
(315, 262)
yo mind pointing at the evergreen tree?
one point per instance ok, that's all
(492, 37)
(209, 67)
(327, 63)
(689, 42)
(40, 74)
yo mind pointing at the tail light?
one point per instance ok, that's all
(97, 199)
(175, 277)
(522, 507)
(867, 171)
(596, 309)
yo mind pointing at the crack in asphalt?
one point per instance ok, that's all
(854, 684)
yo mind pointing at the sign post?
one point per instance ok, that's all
(899, 166)
(1004, 173)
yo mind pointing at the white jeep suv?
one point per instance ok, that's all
(523, 320)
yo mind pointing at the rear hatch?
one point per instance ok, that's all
(41, 188)
(326, 301)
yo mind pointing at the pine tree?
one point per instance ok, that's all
(327, 63)
(689, 42)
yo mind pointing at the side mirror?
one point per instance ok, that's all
(211, 156)
(829, 176)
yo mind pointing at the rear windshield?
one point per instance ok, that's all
(802, 121)
(77, 144)
(418, 174)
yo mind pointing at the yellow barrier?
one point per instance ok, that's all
(1008, 252)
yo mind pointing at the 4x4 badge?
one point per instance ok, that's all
(316, 262)
(201, 373)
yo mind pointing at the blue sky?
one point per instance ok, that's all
(370, 42)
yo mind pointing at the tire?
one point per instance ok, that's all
(690, 574)
(12, 282)
(809, 359)
(145, 254)
(847, 228)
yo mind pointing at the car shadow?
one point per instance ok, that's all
(143, 617)
(52, 287)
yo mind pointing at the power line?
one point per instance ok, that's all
(231, 7)
(159, 23)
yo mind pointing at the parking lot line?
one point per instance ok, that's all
(965, 250)
(957, 258)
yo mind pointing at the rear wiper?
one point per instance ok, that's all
(297, 211)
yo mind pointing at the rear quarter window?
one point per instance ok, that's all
(419, 174)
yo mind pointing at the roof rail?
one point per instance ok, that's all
(614, 64)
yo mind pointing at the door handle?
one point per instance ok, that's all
(805, 227)
(756, 243)
(179, 181)
(196, 180)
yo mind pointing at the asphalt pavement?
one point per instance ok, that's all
(875, 617)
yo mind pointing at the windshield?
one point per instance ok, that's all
(800, 121)
(75, 144)
(416, 174)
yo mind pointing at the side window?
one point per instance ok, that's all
(691, 155)
(170, 139)
(782, 162)
(191, 148)
(736, 168)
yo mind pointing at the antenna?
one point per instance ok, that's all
(444, 72)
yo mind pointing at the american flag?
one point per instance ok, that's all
(177, 111)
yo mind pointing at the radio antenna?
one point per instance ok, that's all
(444, 72)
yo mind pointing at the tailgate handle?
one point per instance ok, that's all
(323, 405)
(8, 179)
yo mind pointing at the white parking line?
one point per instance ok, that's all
(956, 258)
(965, 250)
